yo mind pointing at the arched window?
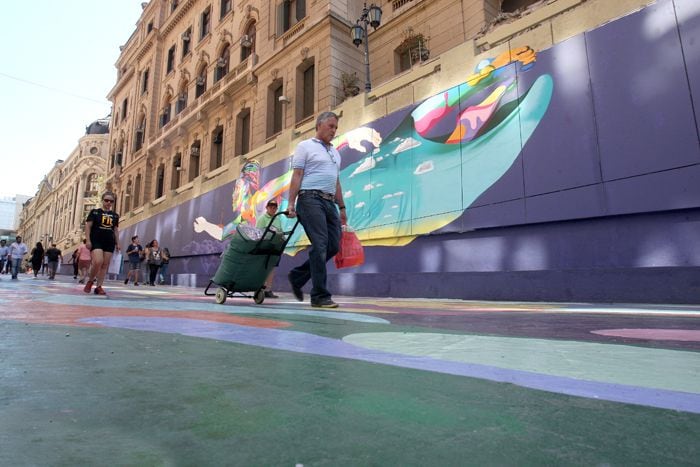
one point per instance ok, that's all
(181, 102)
(92, 185)
(222, 63)
(201, 83)
(248, 42)
(140, 133)
(165, 113)
(160, 180)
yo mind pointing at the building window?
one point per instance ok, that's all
(305, 91)
(118, 158)
(137, 191)
(173, 5)
(201, 82)
(248, 42)
(165, 114)
(149, 27)
(160, 180)
(194, 160)
(275, 108)
(204, 23)
(510, 6)
(181, 100)
(177, 170)
(125, 104)
(171, 60)
(411, 51)
(144, 81)
(93, 184)
(128, 195)
(289, 13)
(222, 64)
(225, 7)
(217, 148)
(186, 41)
(243, 132)
(139, 135)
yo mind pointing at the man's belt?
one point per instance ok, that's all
(319, 193)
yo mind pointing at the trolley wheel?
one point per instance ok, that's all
(259, 296)
(221, 295)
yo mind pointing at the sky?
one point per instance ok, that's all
(56, 68)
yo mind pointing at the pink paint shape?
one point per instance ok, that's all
(686, 335)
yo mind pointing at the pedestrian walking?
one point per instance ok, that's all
(17, 251)
(53, 256)
(37, 258)
(4, 252)
(102, 234)
(74, 262)
(135, 255)
(44, 265)
(165, 261)
(314, 192)
(154, 259)
(84, 262)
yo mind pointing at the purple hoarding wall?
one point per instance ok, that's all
(571, 177)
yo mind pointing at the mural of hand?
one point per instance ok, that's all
(355, 137)
(200, 224)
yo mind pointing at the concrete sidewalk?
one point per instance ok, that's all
(165, 376)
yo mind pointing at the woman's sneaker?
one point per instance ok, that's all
(88, 287)
(100, 291)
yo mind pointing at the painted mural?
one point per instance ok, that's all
(586, 129)
(396, 169)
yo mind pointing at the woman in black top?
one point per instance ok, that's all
(37, 258)
(102, 234)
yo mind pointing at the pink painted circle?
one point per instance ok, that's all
(686, 335)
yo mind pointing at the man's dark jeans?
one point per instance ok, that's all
(321, 222)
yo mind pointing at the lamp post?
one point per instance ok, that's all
(371, 16)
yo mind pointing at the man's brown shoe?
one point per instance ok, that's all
(327, 303)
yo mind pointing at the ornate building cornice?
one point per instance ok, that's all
(175, 18)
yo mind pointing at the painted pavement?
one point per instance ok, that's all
(646, 356)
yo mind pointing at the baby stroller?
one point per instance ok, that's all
(248, 260)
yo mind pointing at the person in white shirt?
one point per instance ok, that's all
(16, 253)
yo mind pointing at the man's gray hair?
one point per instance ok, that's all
(325, 116)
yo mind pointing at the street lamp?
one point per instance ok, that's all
(371, 16)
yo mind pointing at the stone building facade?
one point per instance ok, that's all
(492, 211)
(201, 85)
(56, 214)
